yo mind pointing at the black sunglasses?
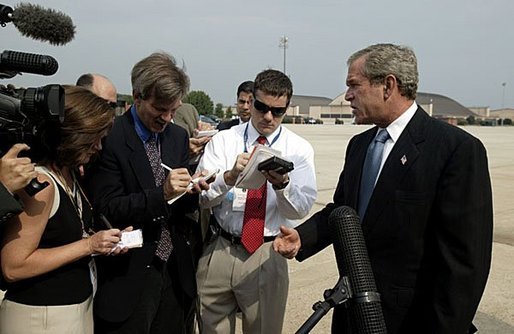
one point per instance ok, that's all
(264, 108)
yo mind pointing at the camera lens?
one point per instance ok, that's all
(47, 101)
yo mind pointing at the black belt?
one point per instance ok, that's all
(237, 240)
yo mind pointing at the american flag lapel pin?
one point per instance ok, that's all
(403, 160)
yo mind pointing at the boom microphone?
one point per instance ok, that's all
(353, 261)
(27, 62)
(38, 23)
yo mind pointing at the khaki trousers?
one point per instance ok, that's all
(228, 277)
(18, 318)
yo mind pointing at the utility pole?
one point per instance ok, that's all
(283, 45)
(503, 95)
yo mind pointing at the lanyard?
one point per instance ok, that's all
(245, 137)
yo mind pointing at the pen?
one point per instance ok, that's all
(106, 222)
(166, 167)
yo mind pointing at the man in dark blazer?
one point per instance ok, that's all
(428, 224)
(244, 100)
(146, 290)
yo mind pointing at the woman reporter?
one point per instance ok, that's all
(46, 250)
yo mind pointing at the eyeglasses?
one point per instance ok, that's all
(264, 108)
(113, 105)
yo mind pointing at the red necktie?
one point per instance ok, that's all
(252, 235)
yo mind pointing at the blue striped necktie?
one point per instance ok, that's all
(370, 170)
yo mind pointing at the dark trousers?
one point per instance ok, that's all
(162, 308)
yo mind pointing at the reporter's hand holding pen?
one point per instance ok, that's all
(179, 181)
(104, 242)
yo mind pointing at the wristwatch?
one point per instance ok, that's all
(281, 186)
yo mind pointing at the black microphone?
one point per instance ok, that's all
(27, 62)
(352, 261)
(39, 23)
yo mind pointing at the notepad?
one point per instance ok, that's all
(251, 177)
(130, 239)
(206, 133)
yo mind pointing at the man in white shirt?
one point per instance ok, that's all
(244, 100)
(233, 272)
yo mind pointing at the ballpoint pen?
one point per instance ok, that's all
(166, 167)
(106, 222)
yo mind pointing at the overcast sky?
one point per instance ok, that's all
(465, 48)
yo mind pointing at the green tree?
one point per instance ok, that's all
(218, 111)
(201, 101)
(228, 113)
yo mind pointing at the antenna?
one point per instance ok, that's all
(283, 45)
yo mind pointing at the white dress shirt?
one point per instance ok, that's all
(282, 206)
(395, 129)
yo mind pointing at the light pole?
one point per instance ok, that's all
(283, 45)
(503, 95)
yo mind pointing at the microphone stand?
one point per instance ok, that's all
(339, 294)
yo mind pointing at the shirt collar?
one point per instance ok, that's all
(396, 128)
(141, 130)
(253, 134)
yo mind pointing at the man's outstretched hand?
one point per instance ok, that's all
(287, 243)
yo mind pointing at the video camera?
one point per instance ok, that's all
(24, 112)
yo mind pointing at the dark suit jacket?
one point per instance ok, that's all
(9, 206)
(228, 124)
(428, 226)
(124, 190)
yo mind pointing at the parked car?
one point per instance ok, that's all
(214, 118)
(208, 120)
(311, 120)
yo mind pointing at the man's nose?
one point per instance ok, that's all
(268, 115)
(167, 116)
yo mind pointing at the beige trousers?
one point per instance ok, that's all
(18, 318)
(228, 278)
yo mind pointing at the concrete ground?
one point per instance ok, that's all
(309, 279)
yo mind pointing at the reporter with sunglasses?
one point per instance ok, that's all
(233, 273)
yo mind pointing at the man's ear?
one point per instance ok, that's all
(390, 84)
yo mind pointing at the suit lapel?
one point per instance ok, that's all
(403, 155)
(172, 153)
(138, 161)
(355, 162)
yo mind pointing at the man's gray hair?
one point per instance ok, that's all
(385, 59)
(159, 76)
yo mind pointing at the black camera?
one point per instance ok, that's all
(26, 114)
(23, 111)
(276, 164)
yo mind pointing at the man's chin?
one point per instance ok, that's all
(244, 117)
(159, 128)
(266, 130)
